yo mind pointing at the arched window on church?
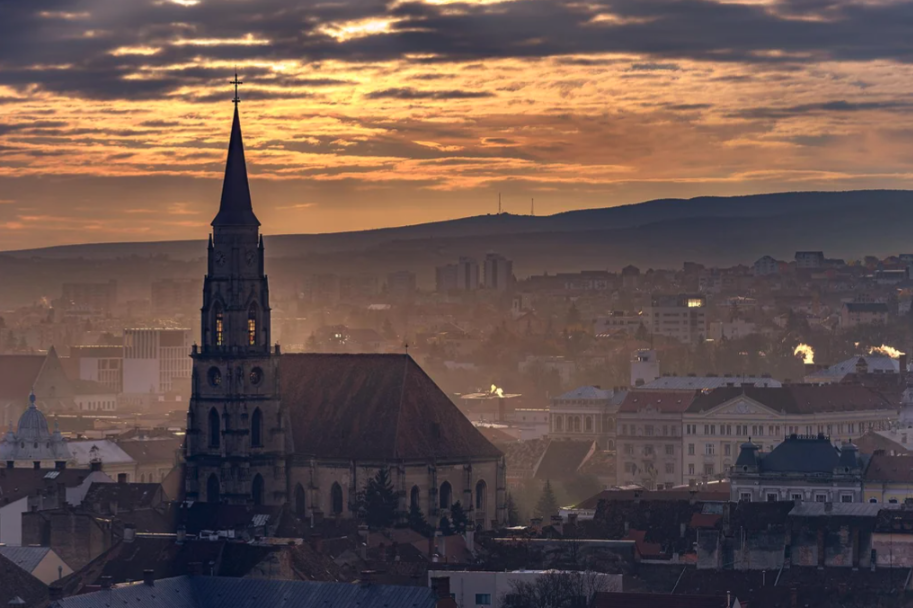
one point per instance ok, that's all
(559, 424)
(256, 426)
(300, 505)
(446, 495)
(482, 500)
(256, 489)
(218, 325)
(214, 429)
(414, 497)
(336, 499)
(212, 489)
(252, 325)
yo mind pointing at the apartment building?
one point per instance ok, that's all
(682, 317)
(100, 363)
(649, 437)
(717, 422)
(863, 313)
(499, 272)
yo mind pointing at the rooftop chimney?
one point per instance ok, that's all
(105, 582)
(149, 577)
(129, 533)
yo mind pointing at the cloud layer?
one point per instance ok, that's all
(359, 113)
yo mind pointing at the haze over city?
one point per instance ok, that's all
(377, 113)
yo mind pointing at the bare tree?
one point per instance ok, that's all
(559, 590)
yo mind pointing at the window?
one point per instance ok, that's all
(215, 434)
(648, 430)
(665, 430)
(256, 489)
(630, 467)
(219, 325)
(727, 449)
(446, 495)
(588, 424)
(710, 449)
(670, 468)
(846, 498)
(745, 496)
(670, 450)
(256, 424)
(559, 424)
(483, 599)
(481, 498)
(691, 469)
(893, 501)
(690, 449)
(874, 501)
(795, 497)
(648, 450)
(415, 497)
(300, 506)
(252, 325)
(708, 469)
(629, 449)
(820, 497)
(772, 497)
(212, 489)
(336, 499)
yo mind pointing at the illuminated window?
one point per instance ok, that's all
(252, 325)
(219, 326)
(695, 303)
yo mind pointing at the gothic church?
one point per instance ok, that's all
(309, 430)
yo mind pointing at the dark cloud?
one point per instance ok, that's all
(794, 31)
(821, 108)
(410, 93)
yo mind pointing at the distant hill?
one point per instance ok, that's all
(659, 234)
(813, 210)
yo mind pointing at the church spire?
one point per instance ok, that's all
(235, 208)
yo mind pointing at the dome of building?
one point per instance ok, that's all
(33, 426)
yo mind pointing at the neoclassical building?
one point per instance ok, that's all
(32, 444)
(311, 429)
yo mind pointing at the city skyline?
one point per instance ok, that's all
(368, 114)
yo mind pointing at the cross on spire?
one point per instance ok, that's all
(236, 82)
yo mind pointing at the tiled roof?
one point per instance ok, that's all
(26, 558)
(591, 393)
(562, 458)
(217, 592)
(657, 600)
(707, 382)
(363, 407)
(151, 450)
(17, 583)
(799, 398)
(666, 402)
(802, 455)
(885, 468)
(108, 451)
(18, 483)
(873, 441)
(879, 363)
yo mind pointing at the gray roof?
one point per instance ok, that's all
(591, 393)
(841, 509)
(708, 382)
(26, 558)
(876, 363)
(218, 592)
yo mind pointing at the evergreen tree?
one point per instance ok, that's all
(380, 501)
(418, 522)
(548, 504)
(446, 528)
(458, 518)
(513, 515)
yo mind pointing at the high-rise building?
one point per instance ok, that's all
(682, 317)
(499, 272)
(467, 274)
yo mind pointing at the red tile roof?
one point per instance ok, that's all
(799, 398)
(885, 468)
(364, 407)
(667, 402)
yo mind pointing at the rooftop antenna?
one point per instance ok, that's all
(532, 206)
(499, 203)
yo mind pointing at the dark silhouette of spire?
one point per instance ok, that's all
(235, 208)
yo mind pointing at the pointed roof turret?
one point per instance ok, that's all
(235, 208)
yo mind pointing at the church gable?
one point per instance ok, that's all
(373, 407)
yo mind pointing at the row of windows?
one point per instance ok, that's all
(794, 496)
(219, 325)
(572, 424)
(631, 468)
(775, 430)
(647, 450)
(649, 430)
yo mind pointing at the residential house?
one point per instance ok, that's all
(888, 478)
(854, 314)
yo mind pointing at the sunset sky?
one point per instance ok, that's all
(115, 114)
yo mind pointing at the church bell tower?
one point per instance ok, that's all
(236, 429)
